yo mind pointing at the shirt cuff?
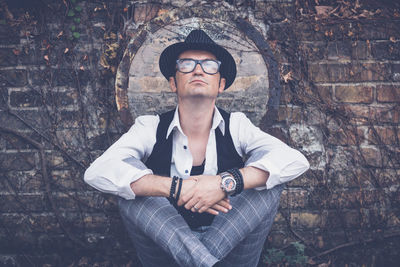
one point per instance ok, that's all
(274, 173)
(126, 191)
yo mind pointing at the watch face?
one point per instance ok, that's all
(229, 184)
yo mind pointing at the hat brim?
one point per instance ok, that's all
(168, 58)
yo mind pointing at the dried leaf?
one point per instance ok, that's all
(392, 39)
(357, 4)
(85, 57)
(82, 68)
(311, 261)
(60, 34)
(273, 44)
(323, 10)
(125, 9)
(113, 35)
(46, 57)
(66, 50)
(287, 77)
(103, 62)
(162, 11)
(16, 52)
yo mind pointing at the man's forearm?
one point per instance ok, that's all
(253, 177)
(152, 185)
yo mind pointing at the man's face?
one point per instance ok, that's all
(197, 83)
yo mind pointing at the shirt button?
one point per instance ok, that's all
(184, 147)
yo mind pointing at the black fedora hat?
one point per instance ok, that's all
(198, 40)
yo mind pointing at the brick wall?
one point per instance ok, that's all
(339, 105)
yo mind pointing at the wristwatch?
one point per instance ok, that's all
(228, 183)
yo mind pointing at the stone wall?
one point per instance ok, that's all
(338, 102)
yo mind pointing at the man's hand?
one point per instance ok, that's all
(205, 194)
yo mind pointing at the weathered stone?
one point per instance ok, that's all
(362, 72)
(294, 198)
(372, 30)
(348, 136)
(367, 115)
(61, 99)
(39, 119)
(354, 94)
(103, 141)
(306, 220)
(360, 50)
(8, 35)
(384, 135)
(145, 12)
(291, 114)
(66, 180)
(3, 97)
(385, 50)
(23, 203)
(7, 57)
(306, 137)
(23, 161)
(13, 78)
(274, 11)
(396, 72)
(388, 93)
(51, 77)
(373, 157)
(11, 141)
(339, 50)
(313, 50)
(25, 99)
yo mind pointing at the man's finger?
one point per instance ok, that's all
(225, 204)
(219, 207)
(212, 211)
(191, 203)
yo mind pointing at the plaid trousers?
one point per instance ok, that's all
(162, 237)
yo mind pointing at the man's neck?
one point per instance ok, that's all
(196, 118)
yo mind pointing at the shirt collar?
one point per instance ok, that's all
(218, 121)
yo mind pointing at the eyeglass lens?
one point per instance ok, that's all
(188, 65)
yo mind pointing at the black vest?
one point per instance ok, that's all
(160, 160)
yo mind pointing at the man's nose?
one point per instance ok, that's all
(198, 69)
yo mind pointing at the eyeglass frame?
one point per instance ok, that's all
(197, 61)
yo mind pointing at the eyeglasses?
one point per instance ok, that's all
(187, 65)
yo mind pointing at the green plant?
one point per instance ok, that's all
(292, 255)
(74, 13)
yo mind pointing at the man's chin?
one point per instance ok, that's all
(200, 95)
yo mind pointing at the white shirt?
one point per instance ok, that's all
(122, 163)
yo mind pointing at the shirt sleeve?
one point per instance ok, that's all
(122, 163)
(266, 152)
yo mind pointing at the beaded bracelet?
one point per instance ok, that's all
(173, 187)
(179, 189)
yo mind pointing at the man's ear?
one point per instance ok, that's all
(172, 84)
(222, 83)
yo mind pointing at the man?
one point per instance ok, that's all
(216, 209)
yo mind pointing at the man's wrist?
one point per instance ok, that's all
(239, 183)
